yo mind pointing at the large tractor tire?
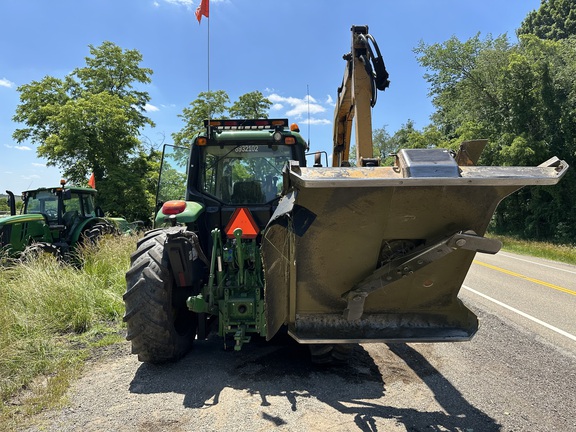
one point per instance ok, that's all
(98, 230)
(160, 326)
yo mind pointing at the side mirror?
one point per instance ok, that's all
(99, 212)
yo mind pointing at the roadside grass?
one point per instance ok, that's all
(554, 252)
(51, 316)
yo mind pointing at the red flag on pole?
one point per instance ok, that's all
(203, 9)
(92, 181)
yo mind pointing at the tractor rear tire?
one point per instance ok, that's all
(98, 230)
(160, 326)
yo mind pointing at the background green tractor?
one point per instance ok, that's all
(55, 220)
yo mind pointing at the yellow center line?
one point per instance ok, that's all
(511, 273)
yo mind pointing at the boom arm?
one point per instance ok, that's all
(365, 73)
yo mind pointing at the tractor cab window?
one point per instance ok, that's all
(88, 205)
(81, 204)
(244, 174)
(44, 202)
(76, 205)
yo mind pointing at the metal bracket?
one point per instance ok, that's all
(241, 338)
(411, 263)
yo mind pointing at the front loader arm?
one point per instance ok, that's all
(364, 74)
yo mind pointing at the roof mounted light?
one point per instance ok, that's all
(246, 124)
(277, 136)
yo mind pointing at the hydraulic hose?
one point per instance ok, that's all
(374, 66)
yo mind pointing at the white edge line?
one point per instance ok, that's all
(535, 262)
(525, 315)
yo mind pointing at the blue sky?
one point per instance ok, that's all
(282, 48)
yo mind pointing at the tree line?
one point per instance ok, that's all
(520, 96)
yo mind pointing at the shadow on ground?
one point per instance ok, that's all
(283, 369)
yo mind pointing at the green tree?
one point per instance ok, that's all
(130, 186)
(464, 79)
(555, 20)
(211, 104)
(251, 105)
(522, 98)
(215, 105)
(90, 121)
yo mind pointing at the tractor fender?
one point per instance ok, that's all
(18, 231)
(190, 214)
(85, 225)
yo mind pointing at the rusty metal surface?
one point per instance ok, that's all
(400, 327)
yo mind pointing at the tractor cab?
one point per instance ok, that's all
(233, 164)
(63, 208)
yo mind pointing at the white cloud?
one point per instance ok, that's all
(316, 121)
(299, 107)
(330, 101)
(277, 107)
(6, 83)
(26, 148)
(151, 108)
(38, 165)
(31, 177)
(187, 3)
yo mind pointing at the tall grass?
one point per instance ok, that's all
(551, 251)
(51, 314)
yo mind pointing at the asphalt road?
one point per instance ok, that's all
(517, 374)
(536, 294)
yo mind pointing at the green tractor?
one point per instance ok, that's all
(249, 240)
(54, 220)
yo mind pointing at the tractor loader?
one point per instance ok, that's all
(55, 220)
(335, 255)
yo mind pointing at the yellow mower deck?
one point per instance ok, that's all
(379, 254)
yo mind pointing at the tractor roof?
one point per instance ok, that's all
(77, 189)
(219, 131)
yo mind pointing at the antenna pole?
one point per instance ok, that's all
(308, 94)
(208, 54)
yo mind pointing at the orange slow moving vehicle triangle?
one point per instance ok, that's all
(242, 218)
